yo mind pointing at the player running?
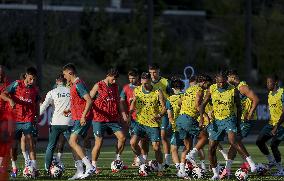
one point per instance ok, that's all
(147, 102)
(173, 109)
(249, 102)
(163, 84)
(224, 99)
(23, 97)
(80, 107)
(106, 114)
(274, 129)
(187, 124)
(126, 97)
(59, 98)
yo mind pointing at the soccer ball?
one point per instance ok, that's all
(29, 172)
(144, 170)
(198, 173)
(116, 166)
(56, 171)
(221, 169)
(261, 169)
(241, 174)
(188, 168)
(153, 165)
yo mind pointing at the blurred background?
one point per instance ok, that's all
(247, 35)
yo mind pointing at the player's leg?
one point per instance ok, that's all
(137, 132)
(222, 151)
(174, 149)
(60, 148)
(213, 144)
(202, 140)
(54, 135)
(165, 141)
(275, 142)
(263, 137)
(118, 132)
(87, 144)
(24, 150)
(77, 131)
(154, 135)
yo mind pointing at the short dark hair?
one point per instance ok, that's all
(61, 78)
(31, 71)
(177, 84)
(145, 75)
(273, 77)
(113, 72)
(154, 66)
(71, 67)
(232, 72)
(222, 74)
(204, 78)
(133, 72)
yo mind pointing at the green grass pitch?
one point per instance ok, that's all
(107, 156)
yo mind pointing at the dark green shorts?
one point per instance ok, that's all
(99, 128)
(246, 127)
(81, 130)
(175, 139)
(165, 123)
(132, 126)
(143, 131)
(187, 126)
(266, 130)
(218, 129)
(25, 128)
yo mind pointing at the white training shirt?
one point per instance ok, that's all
(59, 98)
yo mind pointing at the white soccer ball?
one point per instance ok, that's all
(188, 168)
(221, 169)
(153, 165)
(241, 174)
(198, 173)
(116, 166)
(144, 170)
(261, 169)
(56, 171)
(29, 172)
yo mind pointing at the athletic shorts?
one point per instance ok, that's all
(142, 131)
(81, 130)
(218, 129)
(187, 126)
(165, 123)
(266, 130)
(175, 139)
(99, 128)
(25, 128)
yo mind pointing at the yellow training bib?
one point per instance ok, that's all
(275, 106)
(223, 102)
(188, 101)
(162, 84)
(147, 106)
(174, 100)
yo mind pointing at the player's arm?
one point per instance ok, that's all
(132, 108)
(239, 108)
(47, 101)
(83, 93)
(170, 112)
(94, 91)
(198, 102)
(122, 105)
(281, 120)
(204, 103)
(162, 103)
(245, 90)
(5, 95)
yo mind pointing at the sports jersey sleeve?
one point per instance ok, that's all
(122, 95)
(169, 106)
(48, 100)
(81, 89)
(11, 89)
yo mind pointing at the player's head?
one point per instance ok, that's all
(30, 76)
(2, 73)
(154, 71)
(112, 75)
(145, 79)
(133, 76)
(221, 79)
(272, 82)
(233, 77)
(69, 71)
(204, 81)
(193, 80)
(177, 84)
(60, 80)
